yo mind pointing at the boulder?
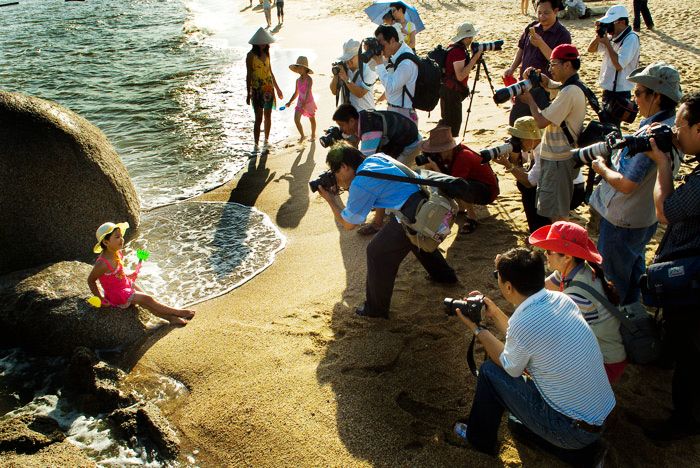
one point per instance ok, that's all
(146, 422)
(60, 179)
(45, 309)
(28, 433)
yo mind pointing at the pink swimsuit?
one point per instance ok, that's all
(305, 104)
(118, 287)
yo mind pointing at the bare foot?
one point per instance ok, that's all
(301, 139)
(176, 321)
(312, 137)
(185, 313)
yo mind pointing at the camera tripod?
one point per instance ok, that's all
(479, 64)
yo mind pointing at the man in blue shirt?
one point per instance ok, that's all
(390, 245)
(624, 197)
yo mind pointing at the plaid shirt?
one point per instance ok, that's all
(682, 210)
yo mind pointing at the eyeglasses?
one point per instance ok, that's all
(495, 275)
(675, 128)
(552, 63)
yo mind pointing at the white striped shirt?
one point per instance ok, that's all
(548, 336)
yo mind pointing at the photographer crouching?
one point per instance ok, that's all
(389, 247)
(442, 153)
(353, 81)
(556, 388)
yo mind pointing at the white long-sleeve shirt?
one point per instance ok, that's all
(394, 79)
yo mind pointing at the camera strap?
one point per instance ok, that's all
(621, 40)
(470, 358)
(592, 101)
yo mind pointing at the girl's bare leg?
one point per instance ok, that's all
(313, 128)
(256, 125)
(297, 122)
(170, 314)
(268, 123)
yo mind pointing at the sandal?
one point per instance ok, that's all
(368, 230)
(469, 226)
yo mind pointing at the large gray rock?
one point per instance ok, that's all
(60, 179)
(45, 309)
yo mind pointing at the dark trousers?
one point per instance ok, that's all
(640, 6)
(451, 109)
(528, 195)
(682, 325)
(609, 96)
(384, 255)
(521, 109)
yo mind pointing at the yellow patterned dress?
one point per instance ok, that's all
(262, 85)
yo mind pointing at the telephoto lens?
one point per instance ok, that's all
(662, 135)
(588, 154)
(512, 145)
(516, 89)
(484, 46)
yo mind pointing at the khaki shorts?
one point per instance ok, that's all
(555, 188)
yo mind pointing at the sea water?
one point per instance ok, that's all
(165, 81)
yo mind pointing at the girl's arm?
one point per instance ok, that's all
(294, 96)
(98, 270)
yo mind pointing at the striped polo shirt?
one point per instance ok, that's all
(569, 106)
(548, 336)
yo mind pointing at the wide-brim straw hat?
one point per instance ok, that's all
(261, 37)
(525, 128)
(440, 139)
(660, 77)
(302, 62)
(350, 49)
(105, 230)
(566, 238)
(464, 30)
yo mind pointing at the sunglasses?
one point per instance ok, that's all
(495, 275)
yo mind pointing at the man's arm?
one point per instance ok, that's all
(332, 202)
(664, 180)
(593, 46)
(394, 82)
(619, 182)
(517, 60)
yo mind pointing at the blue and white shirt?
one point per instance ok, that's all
(548, 336)
(366, 193)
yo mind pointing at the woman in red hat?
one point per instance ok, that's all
(572, 256)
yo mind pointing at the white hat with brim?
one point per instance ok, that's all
(302, 62)
(661, 78)
(525, 128)
(105, 230)
(614, 13)
(350, 49)
(464, 30)
(261, 37)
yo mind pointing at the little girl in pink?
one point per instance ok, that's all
(120, 289)
(305, 105)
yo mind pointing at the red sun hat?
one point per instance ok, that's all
(565, 52)
(566, 238)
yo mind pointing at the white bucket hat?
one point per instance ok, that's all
(464, 30)
(261, 37)
(661, 78)
(350, 49)
(614, 13)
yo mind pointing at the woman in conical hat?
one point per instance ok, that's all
(260, 82)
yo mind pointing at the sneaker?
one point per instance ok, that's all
(460, 430)
(368, 229)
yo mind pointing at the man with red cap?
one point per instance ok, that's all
(562, 122)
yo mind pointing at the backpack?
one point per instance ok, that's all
(434, 215)
(427, 84)
(439, 55)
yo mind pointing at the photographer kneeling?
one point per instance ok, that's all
(391, 245)
(565, 397)
(443, 154)
(353, 79)
(525, 141)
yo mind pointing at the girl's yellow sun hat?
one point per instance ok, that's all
(105, 230)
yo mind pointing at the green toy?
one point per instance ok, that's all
(143, 255)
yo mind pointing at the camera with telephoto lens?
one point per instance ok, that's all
(484, 46)
(372, 48)
(424, 158)
(326, 180)
(337, 66)
(330, 136)
(471, 308)
(511, 145)
(662, 135)
(588, 154)
(516, 89)
(605, 28)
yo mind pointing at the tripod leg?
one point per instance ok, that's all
(488, 76)
(471, 98)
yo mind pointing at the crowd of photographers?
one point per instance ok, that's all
(566, 341)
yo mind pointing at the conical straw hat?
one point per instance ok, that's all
(261, 37)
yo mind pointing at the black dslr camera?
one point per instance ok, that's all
(662, 135)
(337, 66)
(471, 308)
(372, 48)
(326, 180)
(424, 158)
(330, 136)
(605, 28)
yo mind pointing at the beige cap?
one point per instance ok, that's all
(525, 128)
(464, 30)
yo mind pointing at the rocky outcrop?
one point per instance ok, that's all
(45, 310)
(60, 179)
(29, 434)
(145, 421)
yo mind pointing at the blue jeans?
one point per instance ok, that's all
(623, 257)
(496, 391)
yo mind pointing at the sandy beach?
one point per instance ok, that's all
(283, 373)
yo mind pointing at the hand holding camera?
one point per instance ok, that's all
(468, 310)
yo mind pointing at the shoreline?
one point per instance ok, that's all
(282, 372)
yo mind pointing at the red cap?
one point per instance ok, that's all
(566, 238)
(565, 52)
